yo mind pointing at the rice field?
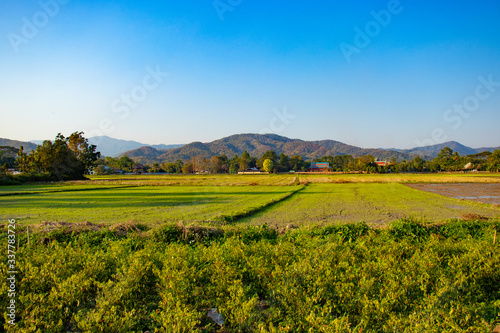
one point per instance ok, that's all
(275, 200)
(141, 204)
(373, 203)
(109, 254)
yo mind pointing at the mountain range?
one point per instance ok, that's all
(256, 145)
(27, 146)
(433, 151)
(115, 147)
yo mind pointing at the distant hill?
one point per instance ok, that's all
(114, 147)
(8, 151)
(256, 145)
(28, 146)
(490, 149)
(433, 151)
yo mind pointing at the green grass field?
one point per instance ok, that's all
(137, 269)
(195, 180)
(241, 199)
(373, 203)
(144, 204)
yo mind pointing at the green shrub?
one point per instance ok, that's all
(257, 233)
(408, 228)
(349, 231)
(406, 278)
(168, 233)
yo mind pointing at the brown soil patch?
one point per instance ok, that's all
(480, 192)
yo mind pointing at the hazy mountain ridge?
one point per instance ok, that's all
(258, 144)
(28, 146)
(433, 151)
(114, 147)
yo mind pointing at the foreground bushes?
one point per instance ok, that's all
(346, 278)
(26, 178)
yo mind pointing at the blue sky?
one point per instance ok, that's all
(372, 73)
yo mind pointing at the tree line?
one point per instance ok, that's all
(72, 157)
(270, 161)
(215, 164)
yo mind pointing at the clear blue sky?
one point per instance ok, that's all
(81, 65)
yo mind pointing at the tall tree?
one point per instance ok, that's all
(494, 161)
(268, 165)
(214, 165)
(244, 162)
(178, 166)
(234, 164)
(417, 164)
(85, 152)
(283, 163)
(270, 154)
(223, 164)
(187, 168)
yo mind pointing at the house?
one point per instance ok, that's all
(319, 167)
(105, 170)
(249, 171)
(382, 163)
(469, 167)
(138, 168)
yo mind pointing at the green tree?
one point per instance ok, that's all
(169, 167)
(187, 168)
(178, 166)
(494, 161)
(480, 160)
(85, 152)
(297, 163)
(244, 162)
(223, 164)
(23, 160)
(447, 160)
(214, 165)
(268, 165)
(267, 155)
(156, 167)
(219, 164)
(234, 164)
(101, 170)
(6, 158)
(417, 164)
(270, 154)
(367, 163)
(63, 159)
(3, 168)
(283, 163)
(125, 163)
